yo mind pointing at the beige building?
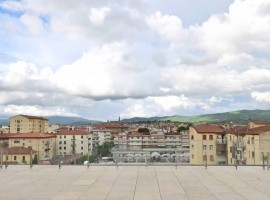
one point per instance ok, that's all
(237, 145)
(207, 145)
(72, 141)
(28, 124)
(18, 155)
(43, 143)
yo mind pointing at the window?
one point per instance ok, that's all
(16, 141)
(210, 137)
(204, 147)
(204, 157)
(60, 142)
(192, 156)
(64, 148)
(211, 158)
(192, 146)
(65, 142)
(15, 157)
(192, 137)
(204, 137)
(211, 147)
(253, 154)
(60, 148)
(23, 158)
(64, 136)
(81, 142)
(82, 137)
(81, 148)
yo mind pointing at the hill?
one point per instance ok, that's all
(61, 120)
(70, 120)
(241, 117)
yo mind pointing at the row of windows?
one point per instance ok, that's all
(64, 148)
(211, 157)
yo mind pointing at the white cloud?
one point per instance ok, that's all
(33, 23)
(77, 52)
(261, 96)
(36, 110)
(97, 16)
(168, 26)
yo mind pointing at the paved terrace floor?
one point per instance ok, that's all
(134, 182)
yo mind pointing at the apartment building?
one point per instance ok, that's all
(18, 155)
(207, 144)
(42, 143)
(102, 135)
(72, 141)
(28, 124)
(247, 145)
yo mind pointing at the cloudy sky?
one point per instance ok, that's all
(103, 59)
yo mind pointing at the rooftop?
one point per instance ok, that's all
(207, 128)
(134, 182)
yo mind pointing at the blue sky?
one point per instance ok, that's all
(104, 59)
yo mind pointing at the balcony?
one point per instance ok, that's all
(221, 141)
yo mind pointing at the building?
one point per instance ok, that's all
(18, 155)
(72, 141)
(28, 124)
(207, 144)
(42, 143)
(102, 135)
(4, 129)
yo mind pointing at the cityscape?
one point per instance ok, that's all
(134, 100)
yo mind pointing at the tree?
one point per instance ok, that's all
(144, 130)
(105, 148)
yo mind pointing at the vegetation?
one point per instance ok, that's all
(105, 149)
(145, 131)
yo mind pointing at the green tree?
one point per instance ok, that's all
(145, 131)
(105, 148)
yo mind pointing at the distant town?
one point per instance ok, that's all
(32, 140)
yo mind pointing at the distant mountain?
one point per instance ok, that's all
(61, 120)
(143, 119)
(241, 117)
(4, 122)
(70, 120)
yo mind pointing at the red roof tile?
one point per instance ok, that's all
(31, 135)
(34, 117)
(259, 122)
(19, 150)
(72, 132)
(206, 128)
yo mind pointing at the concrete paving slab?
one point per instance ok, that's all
(134, 182)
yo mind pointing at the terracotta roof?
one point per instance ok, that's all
(72, 132)
(34, 117)
(260, 122)
(110, 126)
(260, 129)
(31, 135)
(19, 150)
(206, 128)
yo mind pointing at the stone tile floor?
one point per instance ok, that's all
(134, 182)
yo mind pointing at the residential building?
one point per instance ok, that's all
(42, 143)
(207, 144)
(102, 135)
(18, 155)
(28, 124)
(4, 129)
(72, 141)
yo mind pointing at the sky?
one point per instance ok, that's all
(103, 59)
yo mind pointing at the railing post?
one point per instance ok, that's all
(268, 161)
(1, 156)
(263, 161)
(31, 159)
(6, 163)
(205, 160)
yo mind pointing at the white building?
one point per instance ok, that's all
(73, 141)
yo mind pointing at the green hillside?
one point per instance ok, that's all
(241, 116)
